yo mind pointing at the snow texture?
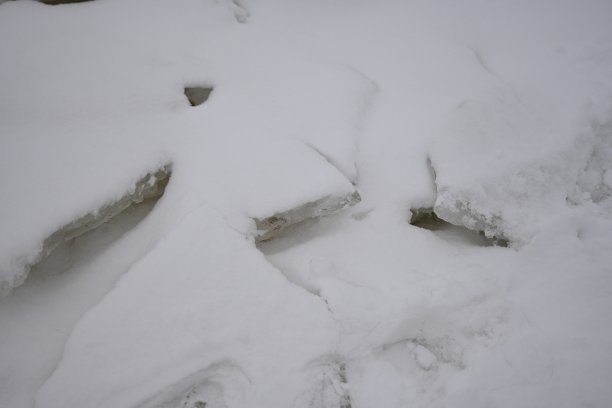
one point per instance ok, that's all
(290, 147)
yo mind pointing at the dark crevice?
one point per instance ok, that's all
(57, 2)
(148, 188)
(197, 95)
(426, 218)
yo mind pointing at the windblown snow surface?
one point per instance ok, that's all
(495, 115)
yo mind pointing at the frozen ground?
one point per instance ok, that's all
(364, 116)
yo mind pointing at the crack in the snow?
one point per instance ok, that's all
(370, 94)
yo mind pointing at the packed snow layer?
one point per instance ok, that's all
(496, 116)
(122, 113)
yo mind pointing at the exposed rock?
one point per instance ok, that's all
(56, 2)
(197, 95)
(274, 225)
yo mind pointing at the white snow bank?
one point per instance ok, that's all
(393, 291)
(79, 130)
(556, 351)
(37, 317)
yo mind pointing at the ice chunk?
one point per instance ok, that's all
(56, 2)
(272, 226)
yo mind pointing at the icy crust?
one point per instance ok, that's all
(151, 185)
(273, 226)
(204, 317)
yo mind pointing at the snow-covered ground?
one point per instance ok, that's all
(495, 115)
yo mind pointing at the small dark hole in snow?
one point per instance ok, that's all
(199, 404)
(197, 95)
(56, 2)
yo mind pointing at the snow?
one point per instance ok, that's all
(137, 121)
(495, 115)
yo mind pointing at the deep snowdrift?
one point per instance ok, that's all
(340, 117)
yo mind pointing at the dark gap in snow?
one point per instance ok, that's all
(40, 314)
(241, 13)
(426, 218)
(56, 2)
(150, 186)
(197, 95)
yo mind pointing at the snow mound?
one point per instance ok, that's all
(502, 169)
(150, 186)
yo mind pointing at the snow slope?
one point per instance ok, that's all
(495, 115)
